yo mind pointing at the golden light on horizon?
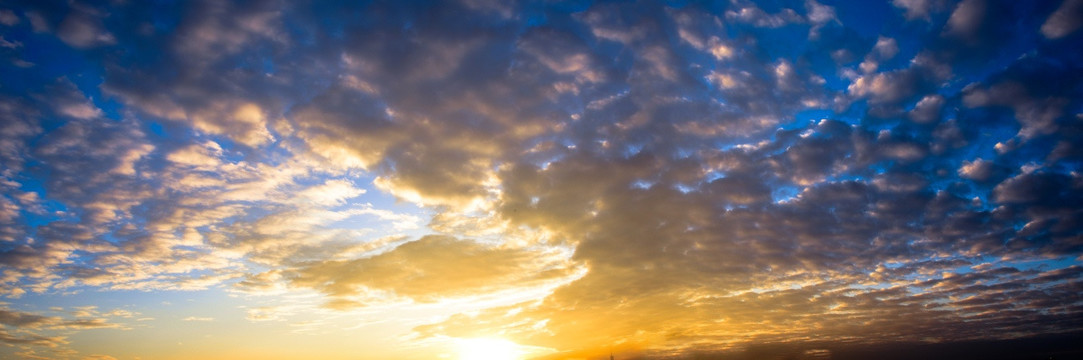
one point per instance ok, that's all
(488, 349)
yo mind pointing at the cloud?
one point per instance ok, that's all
(656, 178)
(1038, 116)
(579, 64)
(887, 87)
(1034, 188)
(695, 29)
(244, 122)
(82, 28)
(99, 357)
(333, 192)
(752, 14)
(966, 18)
(915, 9)
(22, 319)
(616, 23)
(431, 268)
(36, 340)
(8, 17)
(9, 44)
(819, 13)
(886, 47)
(979, 169)
(38, 22)
(1065, 20)
(216, 29)
(266, 313)
(205, 93)
(32, 331)
(70, 101)
(96, 155)
(928, 109)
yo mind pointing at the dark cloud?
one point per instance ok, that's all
(37, 340)
(83, 28)
(27, 328)
(1038, 189)
(21, 319)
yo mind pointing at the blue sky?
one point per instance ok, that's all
(275, 179)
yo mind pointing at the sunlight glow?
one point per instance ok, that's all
(488, 349)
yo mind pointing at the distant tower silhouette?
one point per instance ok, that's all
(610, 356)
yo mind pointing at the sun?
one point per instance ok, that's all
(488, 349)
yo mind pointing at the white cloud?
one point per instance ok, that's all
(819, 13)
(886, 48)
(915, 9)
(332, 192)
(81, 111)
(979, 169)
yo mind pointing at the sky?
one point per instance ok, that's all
(486, 179)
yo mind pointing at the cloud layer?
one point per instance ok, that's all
(664, 179)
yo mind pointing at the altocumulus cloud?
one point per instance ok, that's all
(664, 179)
